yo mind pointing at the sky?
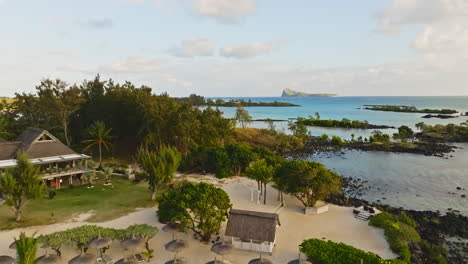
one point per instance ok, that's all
(239, 47)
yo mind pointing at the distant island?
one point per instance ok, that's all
(408, 109)
(198, 100)
(290, 93)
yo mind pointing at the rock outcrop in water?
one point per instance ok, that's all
(290, 93)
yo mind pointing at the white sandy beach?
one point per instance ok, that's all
(337, 225)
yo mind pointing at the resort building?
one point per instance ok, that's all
(59, 165)
(253, 231)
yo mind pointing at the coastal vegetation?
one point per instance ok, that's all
(198, 100)
(159, 166)
(404, 239)
(308, 181)
(328, 252)
(243, 116)
(80, 237)
(200, 207)
(20, 185)
(26, 249)
(443, 133)
(344, 123)
(408, 109)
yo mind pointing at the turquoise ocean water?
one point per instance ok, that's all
(401, 180)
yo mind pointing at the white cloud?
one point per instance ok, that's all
(101, 23)
(133, 64)
(401, 13)
(193, 48)
(250, 50)
(226, 11)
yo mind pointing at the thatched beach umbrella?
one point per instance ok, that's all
(299, 261)
(7, 260)
(215, 262)
(133, 243)
(260, 261)
(127, 261)
(13, 245)
(222, 248)
(83, 258)
(176, 245)
(48, 259)
(177, 261)
(100, 243)
(172, 228)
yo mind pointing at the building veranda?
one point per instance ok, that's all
(60, 166)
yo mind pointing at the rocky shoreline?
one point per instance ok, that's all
(449, 230)
(316, 145)
(439, 116)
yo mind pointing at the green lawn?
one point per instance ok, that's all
(105, 201)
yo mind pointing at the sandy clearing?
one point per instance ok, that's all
(337, 225)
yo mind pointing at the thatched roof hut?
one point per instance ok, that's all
(251, 225)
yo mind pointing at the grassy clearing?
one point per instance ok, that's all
(105, 202)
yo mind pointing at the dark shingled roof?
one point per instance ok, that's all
(248, 225)
(28, 143)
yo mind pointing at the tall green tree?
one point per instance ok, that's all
(298, 128)
(159, 166)
(98, 136)
(60, 102)
(308, 181)
(21, 184)
(263, 173)
(26, 249)
(200, 207)
(243, 116)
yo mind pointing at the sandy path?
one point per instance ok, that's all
(337, 225)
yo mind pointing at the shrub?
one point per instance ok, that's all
(328, 252)
(337, 140)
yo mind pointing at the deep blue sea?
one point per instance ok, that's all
(401, 180)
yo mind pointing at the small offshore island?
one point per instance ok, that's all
(408, 109)
(290, 93)
(198, 100)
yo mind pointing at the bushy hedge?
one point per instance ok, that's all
(328, 252)
(80, 237)
(398, 233)
(344, 123)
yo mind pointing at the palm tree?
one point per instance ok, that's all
(26, 249)
(98, 136)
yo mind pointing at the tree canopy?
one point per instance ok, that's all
(307, 181)
(21, 184)
(159, 166)
(200, 207)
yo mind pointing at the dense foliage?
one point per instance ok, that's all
(159, 166)
(200, 207)
(328, 252)
(201, 101)
(307, 181)
(449, 132)
(135, 115)
(21, 184)
(268, 138)
(344, 123)
(26, 249)
(263, 173)
(80, 237)
(408, 109)
(401, 234)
